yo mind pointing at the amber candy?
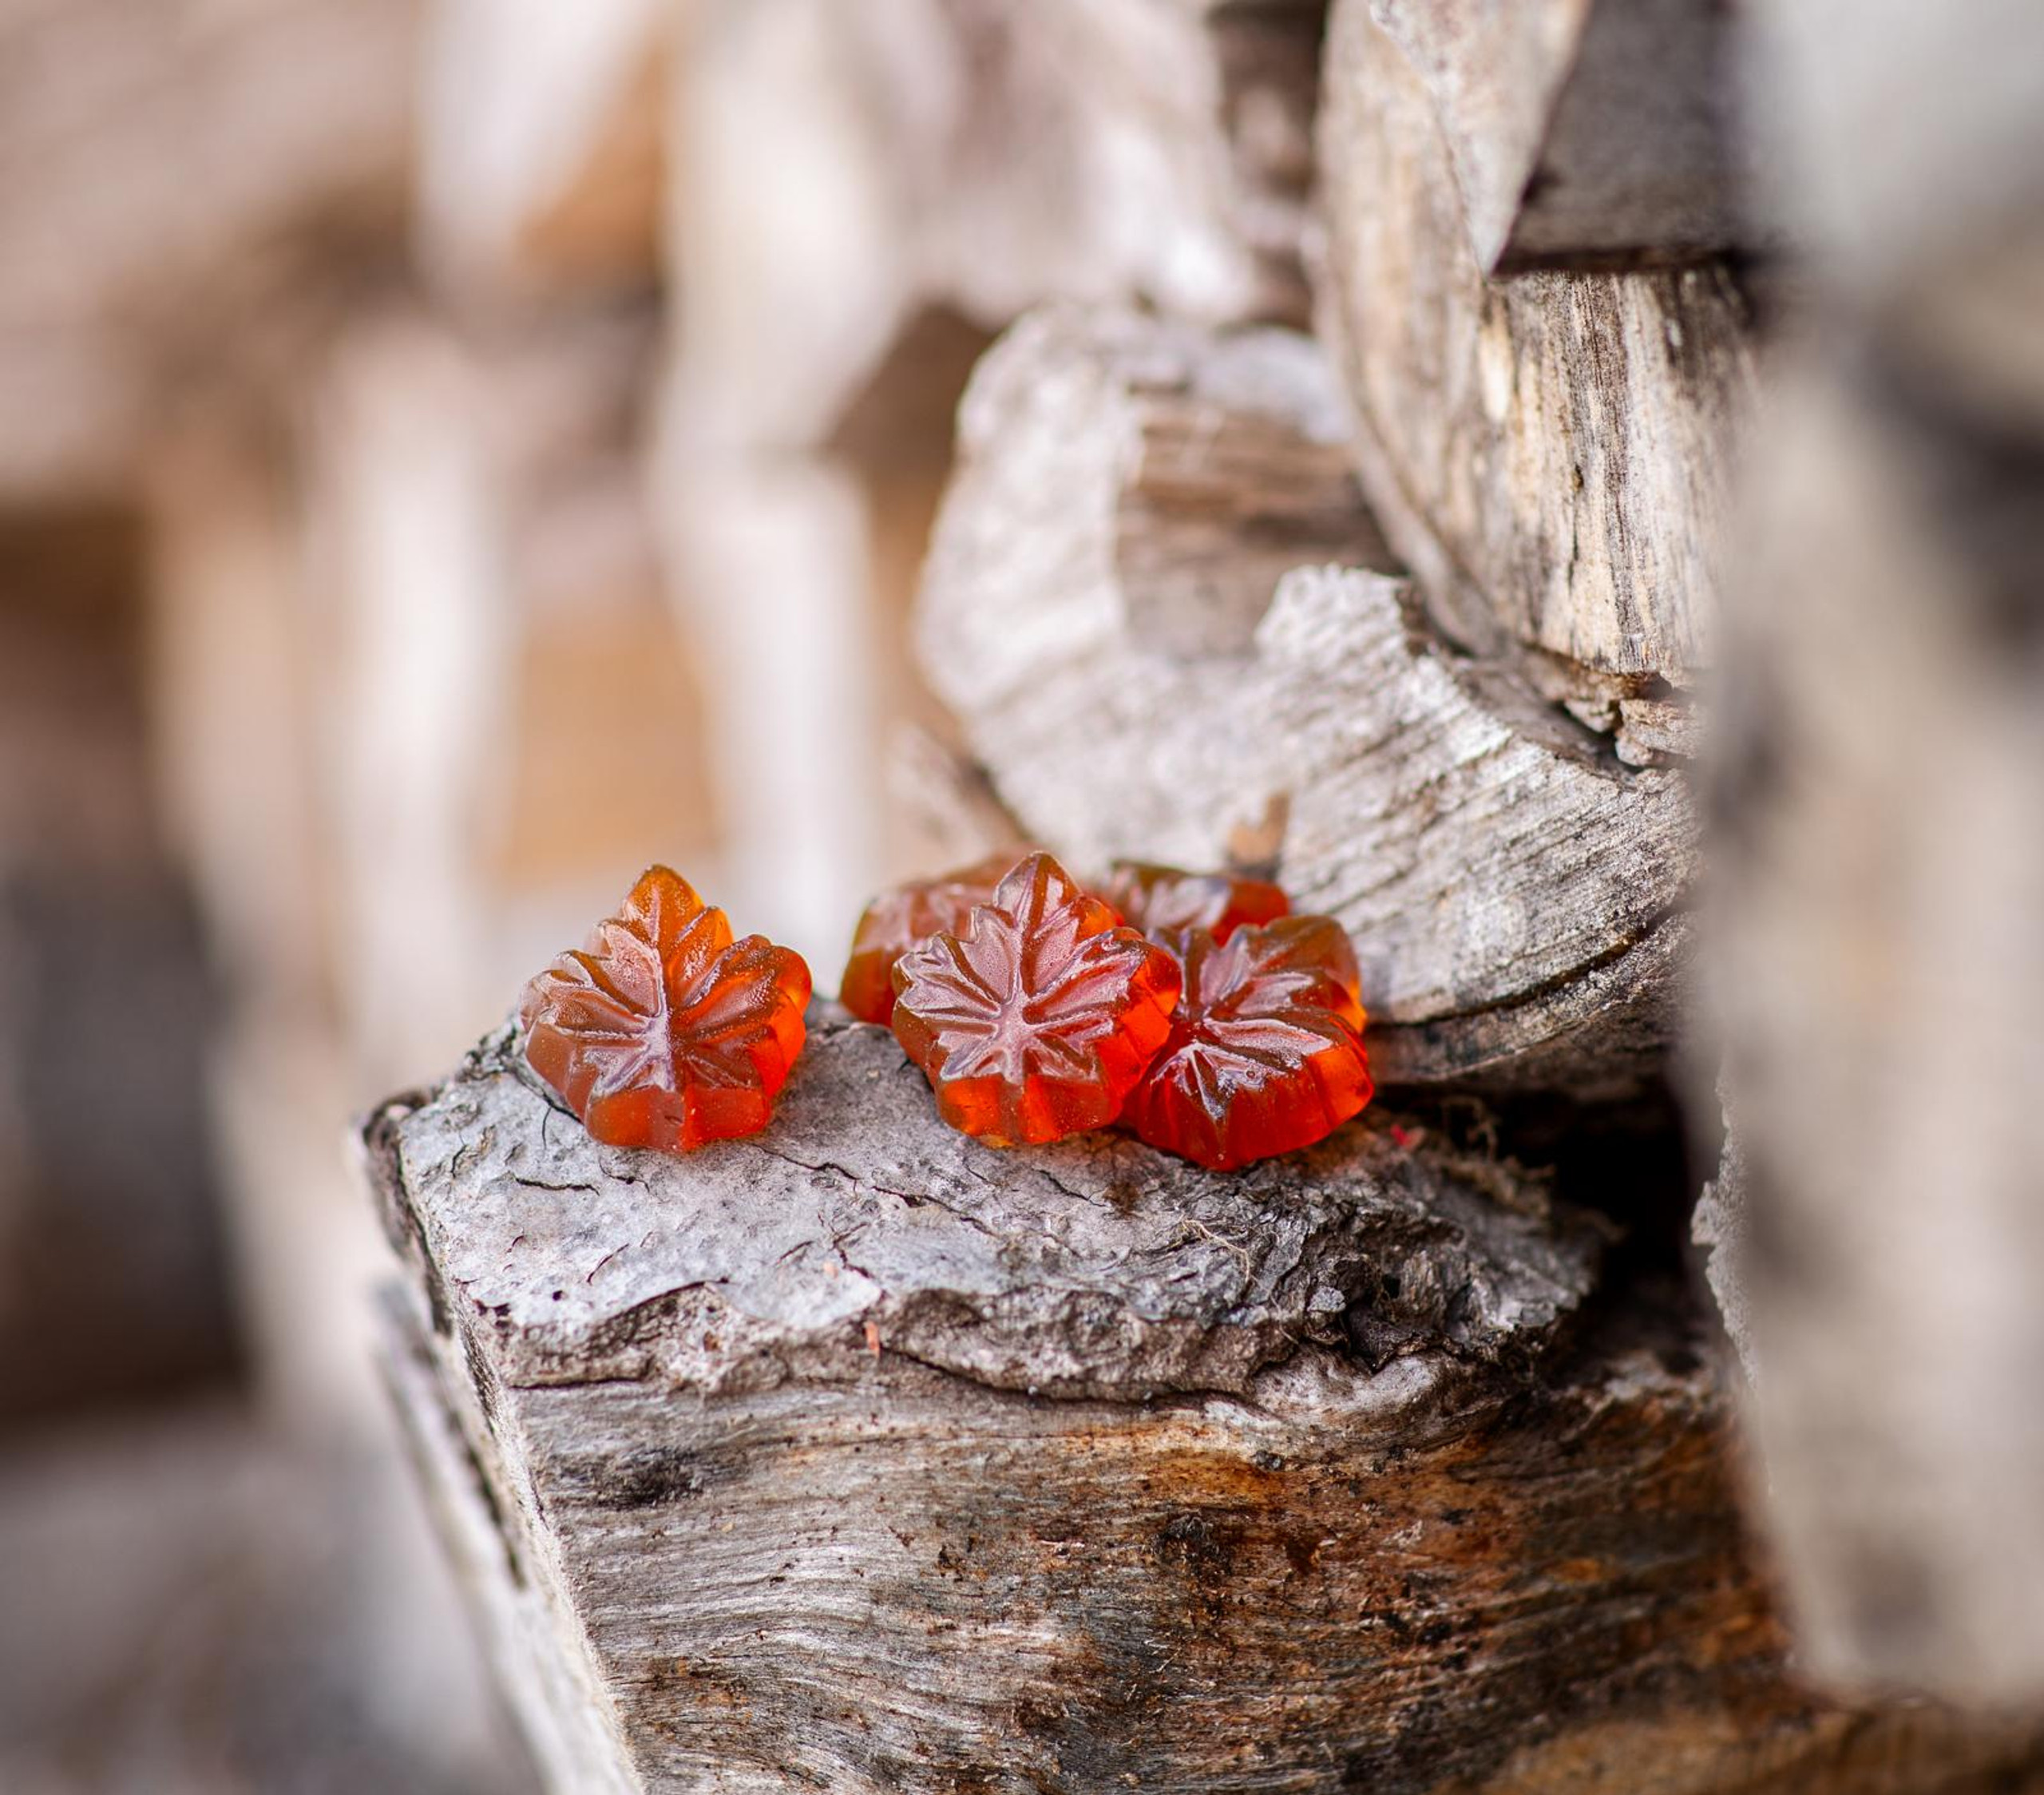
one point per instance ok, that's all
(905, 917)
(1035, 1020)
(1265, 1050)
(1165, 900)
(664, 1032)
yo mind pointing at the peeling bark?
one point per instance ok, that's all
(744, 1457)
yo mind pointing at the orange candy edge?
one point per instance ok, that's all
(1190, 1103)
(663, 1032)
(964, 1000)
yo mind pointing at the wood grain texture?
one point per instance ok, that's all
(1583, 132)
(1549, 454)
(1412, 1539)
(1098, 608)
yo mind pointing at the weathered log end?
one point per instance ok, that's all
(1173, 631)
(859, 1456)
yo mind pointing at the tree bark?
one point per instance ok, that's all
(859, 1456)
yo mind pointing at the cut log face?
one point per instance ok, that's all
(741, 1453)
(1582, 132)
(1549, 454)
(1098, 606)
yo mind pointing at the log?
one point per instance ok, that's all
(1879, 852)
(1584, 133)
(1550, 454)
(1097, 609)
(985, 155)
(858, 1456)
(541, 162)
(1877, 978)
(132, 208)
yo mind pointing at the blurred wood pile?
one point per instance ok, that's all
(1413, 431)
(452, 451)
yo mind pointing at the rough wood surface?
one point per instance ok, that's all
(1549, 454)
(1583, 131)
(745, 1458)
(1098, 1269)
(1098, 606)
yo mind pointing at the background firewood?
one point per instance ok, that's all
(1879, 855)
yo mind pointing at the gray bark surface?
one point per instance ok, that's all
(1099, 1268)
(1338, 1493)
(1099, 608)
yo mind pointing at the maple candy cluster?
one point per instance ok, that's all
(1191, 1009)
(664, 1032)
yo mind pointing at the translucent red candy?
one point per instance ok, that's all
(905, 917)
(1163, 900)
(664, 1031)
(1266, 1051)
(1036, 1020)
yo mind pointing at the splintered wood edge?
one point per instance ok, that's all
(858, 1223)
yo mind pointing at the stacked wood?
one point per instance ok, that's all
(1880, 859)
(862, 1456)
(1098, 608)
(138, 221)
(985, 154)
(1550, 454)
(933, 160)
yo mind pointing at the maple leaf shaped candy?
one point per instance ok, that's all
(664, 1032)
(1165, 900)
(1266, 1051)
(1035, 1020)
(905, 917)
